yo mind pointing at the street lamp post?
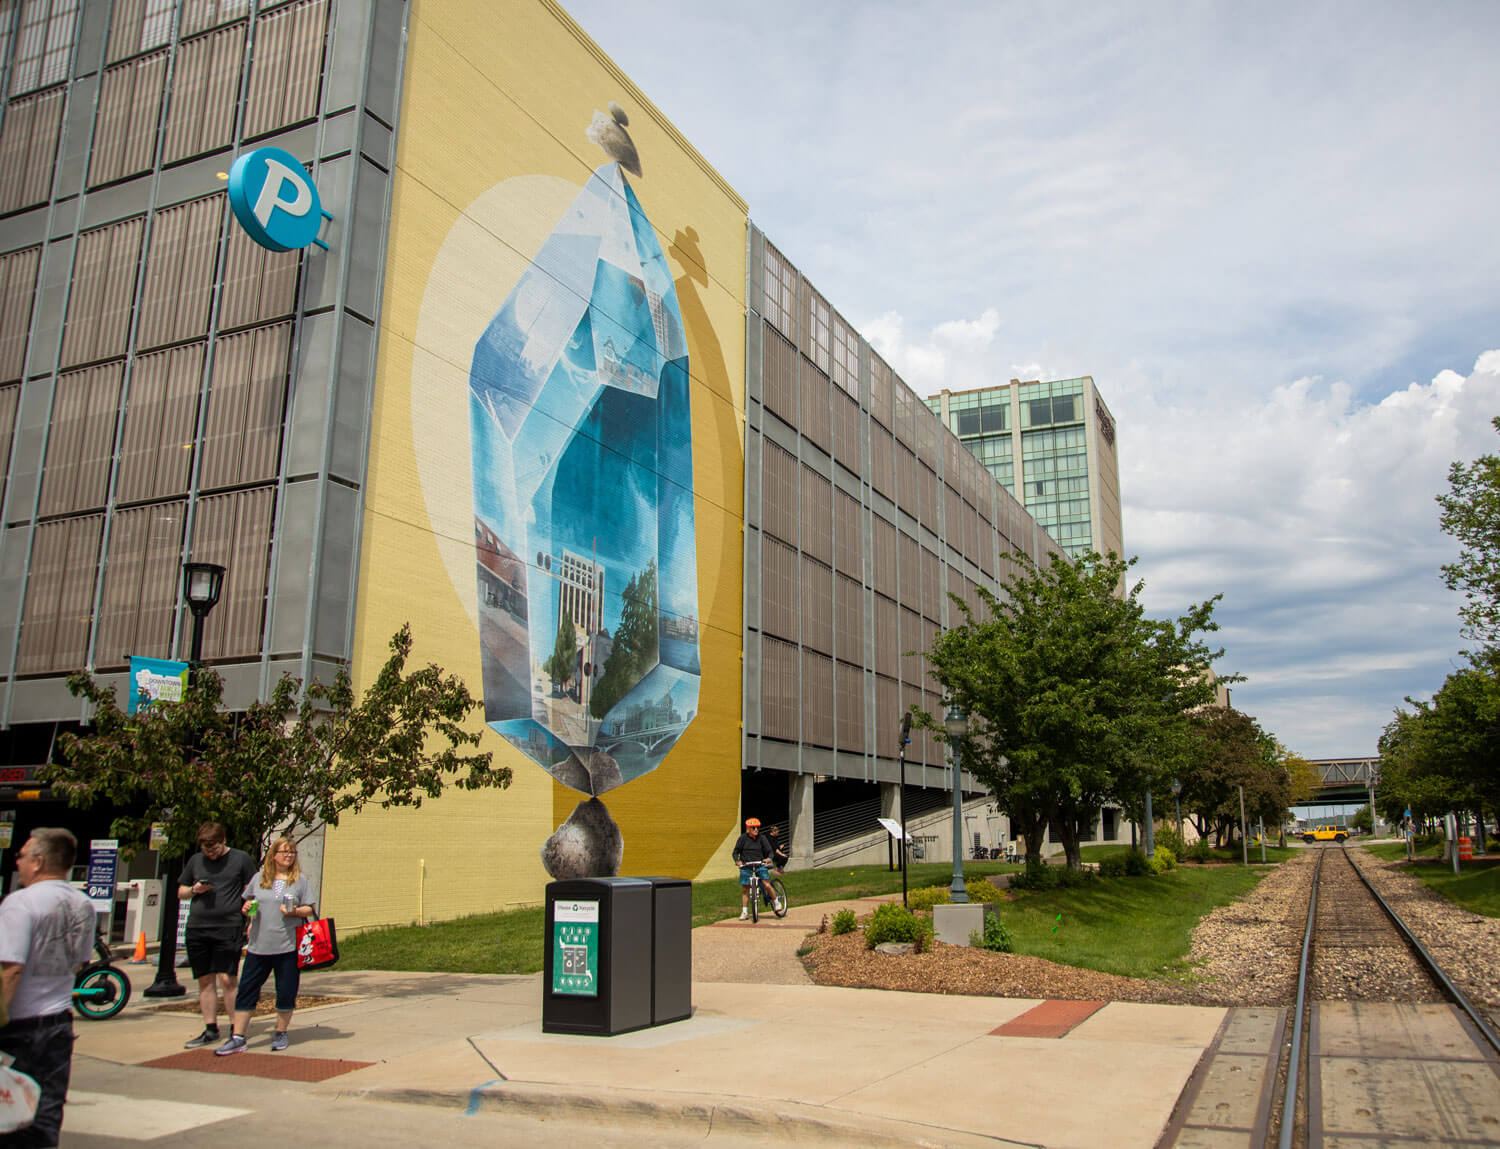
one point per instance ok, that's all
(905, 845)
(1177, 801)
(956, 722)
(201, 586)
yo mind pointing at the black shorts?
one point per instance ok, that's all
(214, 949)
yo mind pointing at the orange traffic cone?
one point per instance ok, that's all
(139, 957)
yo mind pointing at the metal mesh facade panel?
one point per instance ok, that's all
(242, 438)
(44, 41)
(906, 480)
(887, 701)
(911, 640)
(886, 640)
(927, 488)
(779, 375)
(883, 557)
(10, 399)
(882, 461)
(851, 707)
(880, 391)
(60, 595)
(28, 150)
(779, 592)
(817, 515)
(104, 277)
(259, 284)
(910, 572)
(849, 615)
(17, 281)
(138, 26)
(780, 698)
(817, 699)
(288, 65)
(815, 424)
(235, 530)
(846, 431)
(932, 586)
(180, 272)
(141, 575)
(161, 416)
(81, 440)
(779, 492)
(205, 93)
(200, 15)
(130, 99)
(817, 605)
(848, 524)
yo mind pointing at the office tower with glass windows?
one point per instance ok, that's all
(1052, 445)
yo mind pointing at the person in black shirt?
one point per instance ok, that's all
(752, 852)
(779, 852)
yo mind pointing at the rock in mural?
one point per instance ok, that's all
(583, 496)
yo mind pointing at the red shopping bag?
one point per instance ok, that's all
(317, 944)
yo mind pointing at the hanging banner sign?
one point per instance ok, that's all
(104, 854)
(155, 680)
(575, 948)
(275, 200)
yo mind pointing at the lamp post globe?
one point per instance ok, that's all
(956, 723)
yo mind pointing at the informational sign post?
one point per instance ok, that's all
(155, 680)
(575, 938)
(104, 854)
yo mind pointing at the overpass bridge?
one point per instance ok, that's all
(1345, 780)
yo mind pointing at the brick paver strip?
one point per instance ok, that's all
(279, 1066)
(1050, 1019)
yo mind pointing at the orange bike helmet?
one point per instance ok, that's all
(751, 822)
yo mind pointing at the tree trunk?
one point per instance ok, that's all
(1065, 829)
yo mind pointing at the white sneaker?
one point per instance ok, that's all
(780, 905)
(744, 915)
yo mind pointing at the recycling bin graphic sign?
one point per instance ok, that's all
(575, 948)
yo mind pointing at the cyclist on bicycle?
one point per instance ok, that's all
(752, 852)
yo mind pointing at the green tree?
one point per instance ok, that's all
(1234, 752)
(1471, 514)
(1075, 697)
(298, 760)
(564, 652)
(635, 646)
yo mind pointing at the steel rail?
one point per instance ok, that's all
(1458, 996)
(1289, 1098)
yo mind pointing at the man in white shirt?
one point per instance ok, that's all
(46, 933)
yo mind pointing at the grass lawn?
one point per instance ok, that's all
(511, 942)
(1227, 854)
(1476, 887)
(1138, 927)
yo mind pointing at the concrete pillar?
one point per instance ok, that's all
(890, 807)
(800, 807)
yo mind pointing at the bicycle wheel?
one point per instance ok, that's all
(755, 899)
(100, 993)
(780, 891)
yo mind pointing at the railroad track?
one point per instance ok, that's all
(1380, 1048)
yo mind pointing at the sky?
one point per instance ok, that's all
(1269, 232)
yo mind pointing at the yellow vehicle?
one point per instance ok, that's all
(1325, 834)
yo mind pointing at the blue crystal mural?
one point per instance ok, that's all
(581, 433)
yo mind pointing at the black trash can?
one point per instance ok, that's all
(671, 949)
(597, 956)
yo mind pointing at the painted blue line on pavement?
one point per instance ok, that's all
(473, 1106)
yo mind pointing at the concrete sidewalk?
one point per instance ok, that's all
(776, 1058)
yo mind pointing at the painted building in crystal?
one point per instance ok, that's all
(535, 385)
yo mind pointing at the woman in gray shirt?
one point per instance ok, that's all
(276, 901)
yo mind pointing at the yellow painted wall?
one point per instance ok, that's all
(491, 151)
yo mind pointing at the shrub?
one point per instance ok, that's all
(1136, 865)
(984, 890)
(893, 922)
(994, 936)
(1162, 860)
(927, 897)
(1039, 877)
(843, 923)
(1172, 840)
(1113, 866)
(1073, 879)
(1201, 851)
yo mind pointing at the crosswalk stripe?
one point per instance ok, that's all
(137, 1118)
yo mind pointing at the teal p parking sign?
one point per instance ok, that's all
(575, 948)
(275, 200)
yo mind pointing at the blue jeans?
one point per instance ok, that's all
(43, 1049)
(257, 968)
